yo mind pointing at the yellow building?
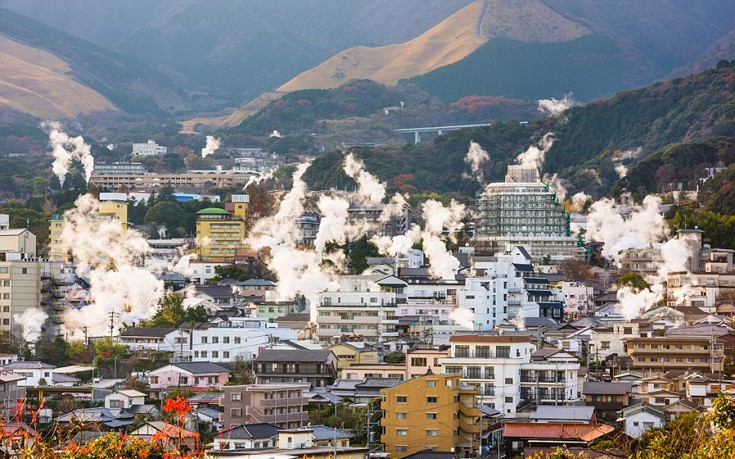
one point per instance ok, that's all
(349, 354)
(108, 210)
(430, 412)
(221, 233)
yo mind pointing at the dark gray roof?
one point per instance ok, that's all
(379, 382)
(147, 332)
(200, 367)
(294, 317)
(523, 267)
(321, 433)
(414, 272)
(250, 431)
(524, 252)
(297, 355)
(607, 388)
(535, 280)
(62, 378)
(257, 282)
(209, 412)
(142, 409)
(28, 365)
(430, 454)
(215, 291)
(563, 413)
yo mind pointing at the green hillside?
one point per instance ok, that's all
(590, 141)
(125, 81)
(589, 66)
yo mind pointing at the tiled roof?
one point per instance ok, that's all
(553, 430)
(607, 388)
(249, 432)
(560, 413)
(147, 332)
(276, 355)
(431, 454)
(198, 368)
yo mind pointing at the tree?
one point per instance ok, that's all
(231, 271)
(53, 351)
(171, 313)
(576, 270)
(395, 357)
(168, 214)
(358, 253)
(634, 281)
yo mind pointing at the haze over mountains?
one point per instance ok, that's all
(194, 56)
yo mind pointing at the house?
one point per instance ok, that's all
(661, 398)
(124, 399)
(608, 395)
(191, 375)
(10, 392)
(246, 436)
(361, 391)
(678, 408)
(568, 414)
(328, 436)
(99, 418)
(174, 433)
(145, 340)
(641, 417)
(316, 367)
(282, 405)
(421, 359)
(225, 341)
(254, 289)
(378, 370)
(521, 435)
(354, 353)
(35, 373)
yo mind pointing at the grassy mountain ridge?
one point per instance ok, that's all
(120, 78)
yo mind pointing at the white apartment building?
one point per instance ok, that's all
(151, 148)
(236, 338)
(604, 342)
(577, 299)
(508, 373)
(365, 306)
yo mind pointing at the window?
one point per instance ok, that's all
(226, 340)
(401, 448)
(431, 399)
(6, 321)
(604, 345)
(508, 399)
(508, 381)
(215, 340)
(215, 354)
(402, 432)
(6, 283)
(204, 340)
(430, 383)
(235, 412)
(225, 354)
(117, 404)
(503, 352)
(6, 296)
(401, 415)
(236, 396)
(430, 415)
(237, 340)
(204, 354)
(401, 399)
(432, 433)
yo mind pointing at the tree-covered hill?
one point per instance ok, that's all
(590, 140)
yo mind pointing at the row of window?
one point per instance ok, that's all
(225, 340)
(677, 359)
(215, 354)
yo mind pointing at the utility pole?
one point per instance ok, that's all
(86, 338)
(112, 323)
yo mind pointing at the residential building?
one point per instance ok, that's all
(124, 399)
(361, 391)
(316, 367)
(577, 299)
(282, 405)
(523, 211)
(145, 340)
(246, 436)
(641, 417)
(430, 412)
(191, 180)
(607, 340)
(220, 233)
(608, 396)
(659, 354)
(364, 307)
(35, 373)
(422, 360)
(521, 437)
(508, 371)
(377, 370)
(255, 289)
(224, 341)
(20, 288)
(10, 392)
(101, 168)
(567, 414)
(99, 419)
(372, 217)
(106, 212)
(309, 223)
(349, 354)
(151, 148)
(190, 375)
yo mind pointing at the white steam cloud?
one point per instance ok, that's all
(31, 322)
(67, 149)
(556, 107)
(436, 218)
(475, 157)
(579, 200)
(463, 317)
(111, 256)
(621, 170)
(536, 154)
(211, 146)
(370, 190)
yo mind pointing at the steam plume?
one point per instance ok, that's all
(463, 317)
(67, 149)
(535, 155)
(370, 190)
(475, 157)
(211, 146)
(31, 322)
(556, 107)
(621, 170)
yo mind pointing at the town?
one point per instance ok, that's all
(525, 337)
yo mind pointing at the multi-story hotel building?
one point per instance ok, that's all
(659, 354)
(221, 233)
(523, 211)
(186, 181)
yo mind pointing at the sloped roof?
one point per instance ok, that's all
(249, 431)
(200, 367)
(607, 388)
(431, 454)
(29, 365)
(554, 430)
(322, 432)
(257, 282)
(148, 332)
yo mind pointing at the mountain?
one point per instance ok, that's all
(232, 51)
(37, 82)
(86, 74)
(590, 141)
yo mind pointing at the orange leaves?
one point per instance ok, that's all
(178, 406)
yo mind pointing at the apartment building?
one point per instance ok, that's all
(187, 375)
(119, 168)
(150, 148)
(225, 341)
(186, 181)
(508, 371)
(349, 354)
(523, 211)
(107, 211)
(659, 354)
(422, 360)
(316, 367)
(221, 233)
(282, 405)
(432, 412)
(364, 306)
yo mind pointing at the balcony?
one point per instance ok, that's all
(278, 418)
(481, 355)
(470, 411)
(283, 402)
(468, 427)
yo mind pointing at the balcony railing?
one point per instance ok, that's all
(483, 355)
(283, 402)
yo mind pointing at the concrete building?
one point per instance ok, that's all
(430, 412)
(316, 367)
(349, 354)
(221, 233)
(508, 371)
(190, 180)
(659, 354)
(523, 211)
(364, 307)
(423, 360)
(577, 299)
(119, 168)
(150, 148)
(282, 405)
(107, 211)
(225, 341)
(188, 375)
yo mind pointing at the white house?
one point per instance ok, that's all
(151, 148)
(641, 417)
(155, 339)
(34, 372)
(124, 399)
(235, 338)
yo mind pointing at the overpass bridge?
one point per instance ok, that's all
(438, 129)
